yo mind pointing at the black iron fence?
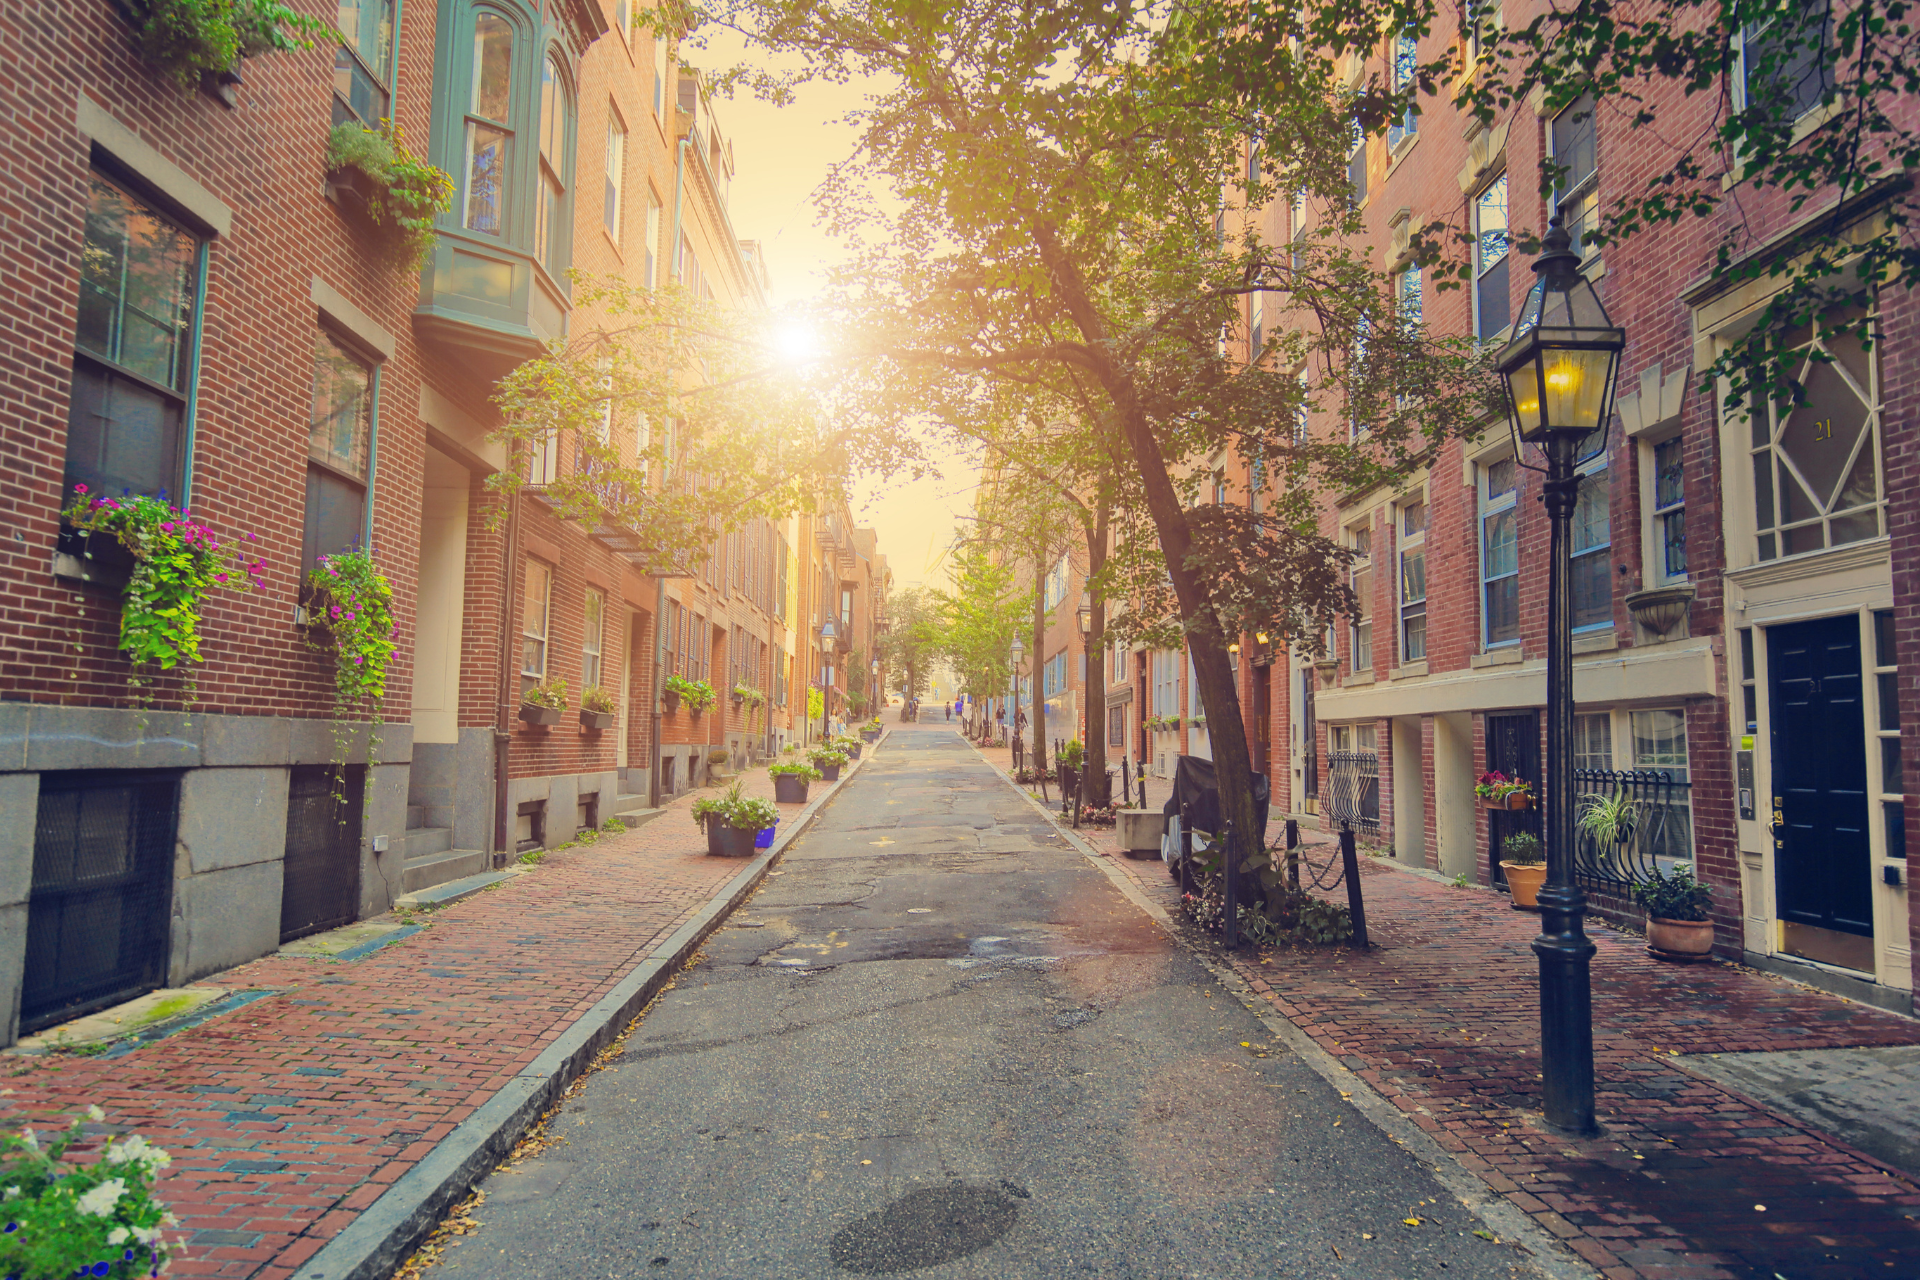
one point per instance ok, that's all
(1628, 822)
(1350, 791)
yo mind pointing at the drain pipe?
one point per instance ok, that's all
(660, 592)
(503, 725)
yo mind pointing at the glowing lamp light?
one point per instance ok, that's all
(1559, 367)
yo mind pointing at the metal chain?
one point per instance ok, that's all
(1334, 864)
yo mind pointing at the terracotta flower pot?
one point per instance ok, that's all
(1523, 882)
(1682, 941)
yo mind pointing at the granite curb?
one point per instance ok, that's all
(388, 1230)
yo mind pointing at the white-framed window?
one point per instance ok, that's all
(1499, 552)
(1592, 547)
(593, 628)
(1256, 326)
(1357, 163)
(1785, 66)
(1166, 682)
(1573, 144)
(550, 204)
(661, 69)
(536, 600)
(1056, 585)
(1492, 308)
(652, 265)
(1413, 581)
(1478, 19)
(1666, 460)
(1195, 707)
(1362, 336)
(1404, 65)
(1297, 224)
(543, 460)
(612, 208)
(1893, 782)
(1816, 466)
(1353, 737)
(1360, 578)
(1660, 742)
(1593, 741)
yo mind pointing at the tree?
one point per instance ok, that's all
(674, 419)
(911, 638)
(977, 615)
(1069, 182)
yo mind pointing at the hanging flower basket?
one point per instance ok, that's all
(1497, 791)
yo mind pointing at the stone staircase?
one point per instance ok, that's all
(630, 806)
(427, 854)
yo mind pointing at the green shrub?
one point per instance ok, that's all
(66, 1218)
(594, 698)
(187, 39)
(736, 809)
(409, 194)
(1522, 848)
(825, 759)
(551, 694)
(806, 771)
(1674, 895)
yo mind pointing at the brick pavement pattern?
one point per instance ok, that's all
(289, 1116)
(1441, 1017)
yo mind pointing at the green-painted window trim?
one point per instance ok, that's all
(193, 376)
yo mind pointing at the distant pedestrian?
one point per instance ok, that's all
(949, 715)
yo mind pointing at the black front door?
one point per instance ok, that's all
(1821, 855)
(320, 884)
(1513, 748)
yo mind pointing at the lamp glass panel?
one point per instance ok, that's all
(1575, 384)
(1524, 386)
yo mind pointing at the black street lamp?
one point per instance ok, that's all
(827, 637)
(1559, 371)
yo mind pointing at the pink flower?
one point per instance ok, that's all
(79, 488)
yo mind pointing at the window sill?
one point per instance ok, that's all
(1358, 679)
(1411, 671)
(1505, 656)
(613, 244)
(1596, 641)
(1398, 153)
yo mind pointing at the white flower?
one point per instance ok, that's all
(28, 1140)
(95, 1113)
(145, 1235)
(121, 1152)
(100, 1201)
(11, 1192)
(118, 1235)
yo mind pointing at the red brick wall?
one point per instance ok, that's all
(265, 159)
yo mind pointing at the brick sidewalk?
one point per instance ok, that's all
(289, 1116)
(1441, 1016)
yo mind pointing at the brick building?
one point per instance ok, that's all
(199, 307)
(1736, 639)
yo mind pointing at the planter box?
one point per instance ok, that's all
(830, 772)
(540, 715)
(853, 751)
(670, 701)
(1682, 941)
(596, 721)
(1523, 882)
(1141, 831)
(789, 788)
(871, 735)
(353, 189)
(729, 842)
(1515, 801)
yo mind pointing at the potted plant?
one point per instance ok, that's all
(1072, 754)
(828, 763)
(673, 690)
(1526, 868)
(717, 761)
(545, 703)
(871, 730)
(95, 1216)
(1610, 818)
(1499, 791)
(790, 781)
(597, 708)
(372, 170)
(851, 747)
(191, 41)
(350, 604)
(738, 694)
(1676, 904)
(699, 695)
(733, 821)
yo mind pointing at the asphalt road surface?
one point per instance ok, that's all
(940, 1043)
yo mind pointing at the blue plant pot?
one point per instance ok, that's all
(765, 839)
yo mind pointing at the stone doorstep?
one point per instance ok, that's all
(107, 1025)
(452, 891)
(345, 938)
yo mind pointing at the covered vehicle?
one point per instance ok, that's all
(1195, 801)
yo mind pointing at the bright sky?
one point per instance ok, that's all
(782, 155)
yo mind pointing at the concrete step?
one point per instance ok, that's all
(453, 890)
(633, 812)
(424, 842)
(439, 868)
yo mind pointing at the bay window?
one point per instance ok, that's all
(489, 137)
(363, 65)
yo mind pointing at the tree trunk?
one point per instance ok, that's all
(1218, 696)
(1037, 727)
(1096, 760)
